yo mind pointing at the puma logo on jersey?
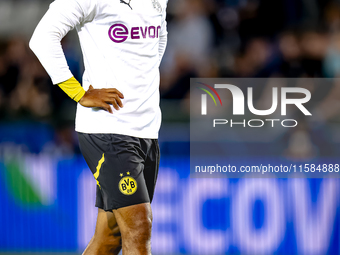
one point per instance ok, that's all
(118, 33)
(127, 3)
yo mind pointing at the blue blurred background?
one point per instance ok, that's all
(47, 193)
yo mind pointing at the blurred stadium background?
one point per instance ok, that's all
(47, 191)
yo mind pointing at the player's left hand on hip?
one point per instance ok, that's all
(102, 98)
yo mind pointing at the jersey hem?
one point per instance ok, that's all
(134, 134)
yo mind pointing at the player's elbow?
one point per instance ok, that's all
(33, 44)
(37, 42)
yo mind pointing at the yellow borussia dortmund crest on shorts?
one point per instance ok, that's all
(127, 185)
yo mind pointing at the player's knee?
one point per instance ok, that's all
(145, 226)
(114, 241)
(142, 232)
(110, 244)
(113, 245)
(141, 229)
(108, 240)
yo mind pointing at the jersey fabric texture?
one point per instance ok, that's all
(122, 48)
(124, 167)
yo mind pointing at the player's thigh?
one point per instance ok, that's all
(135, 222)
(106, 225)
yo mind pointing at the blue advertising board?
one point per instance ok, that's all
(47, 204)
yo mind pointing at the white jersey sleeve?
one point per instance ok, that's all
(163, 38)
(62, 16)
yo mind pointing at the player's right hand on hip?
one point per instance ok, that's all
(102, 98)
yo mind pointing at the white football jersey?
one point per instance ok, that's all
(122, 43)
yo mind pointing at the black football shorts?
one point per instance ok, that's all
(124, 167)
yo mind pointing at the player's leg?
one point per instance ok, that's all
(119, 167)
(135, 224)
(135, 221)
(107, 238)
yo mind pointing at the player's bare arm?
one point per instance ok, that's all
(102, 98)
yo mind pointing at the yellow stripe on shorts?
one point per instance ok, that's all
(96, 174)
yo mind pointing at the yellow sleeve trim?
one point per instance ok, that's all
(73, 89)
